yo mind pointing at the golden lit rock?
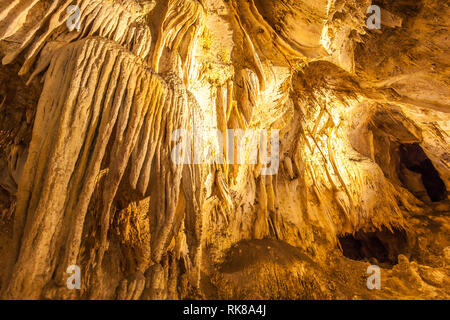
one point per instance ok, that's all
(224, 149)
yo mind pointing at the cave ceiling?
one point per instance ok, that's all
(224, 149)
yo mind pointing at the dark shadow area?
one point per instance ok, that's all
(414, 158)
(406, 9)
(384, 245)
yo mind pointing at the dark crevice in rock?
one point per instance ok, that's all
(414, 159)
(377, 247)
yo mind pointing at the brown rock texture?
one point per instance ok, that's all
(224, 149)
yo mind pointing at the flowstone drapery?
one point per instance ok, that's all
(94, 94)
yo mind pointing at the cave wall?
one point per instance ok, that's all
(93, 173)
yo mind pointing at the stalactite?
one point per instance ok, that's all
(97, 18)
(182, 20)
(87, 149)
(221, 115)
(116, 98)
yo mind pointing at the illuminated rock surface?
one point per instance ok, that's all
(92, 173)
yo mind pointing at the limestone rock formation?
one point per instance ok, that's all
(224, 149)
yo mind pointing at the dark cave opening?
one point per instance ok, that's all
(381, 246)
(414, 158)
